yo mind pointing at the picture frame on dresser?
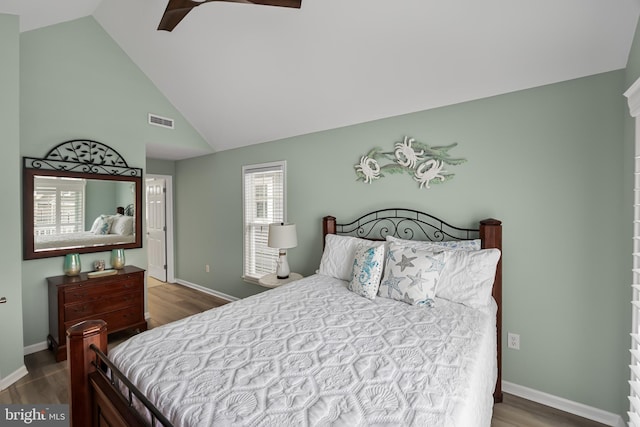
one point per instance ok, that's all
(118, 299)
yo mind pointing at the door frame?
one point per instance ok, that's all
(168, 217)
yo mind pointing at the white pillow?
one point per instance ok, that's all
(367, 271)
(411, 275)
(468, 277)
(95, 224)
(462, 245)
(104, 225)
(122, 225)
(338, 255)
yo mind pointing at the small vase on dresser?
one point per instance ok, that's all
(72, 265)
(117, 259)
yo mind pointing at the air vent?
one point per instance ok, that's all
(160, 121)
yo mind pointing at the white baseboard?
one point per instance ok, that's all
(34, 348)
(579, 409)
(13, 377)
(207, 290)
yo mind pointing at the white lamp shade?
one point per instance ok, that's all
(282, 236)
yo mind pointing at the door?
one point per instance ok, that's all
(156, 227)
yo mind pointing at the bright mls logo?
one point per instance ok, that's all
(36, 415)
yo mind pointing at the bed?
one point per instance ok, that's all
(105, 230)
(316, 351)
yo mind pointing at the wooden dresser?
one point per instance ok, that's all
(117, 299)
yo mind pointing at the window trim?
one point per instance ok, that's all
(247, 169)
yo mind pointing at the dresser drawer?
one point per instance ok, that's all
(104, 304)
(95, 291)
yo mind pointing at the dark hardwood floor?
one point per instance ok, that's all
(47, 380)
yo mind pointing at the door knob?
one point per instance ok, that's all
(3, 300)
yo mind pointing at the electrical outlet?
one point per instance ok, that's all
(513, 341)
(206, 268)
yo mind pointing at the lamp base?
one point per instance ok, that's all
(282, 270)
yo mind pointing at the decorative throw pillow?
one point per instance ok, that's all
(411, 275)
(338, 255)
(104, 225)
(367, 271)
(468, 275)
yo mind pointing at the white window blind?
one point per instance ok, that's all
(58, 205)
(264, 190)
(634, 396)
(633, 95)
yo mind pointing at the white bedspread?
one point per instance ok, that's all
(79, 239)
(312, 353)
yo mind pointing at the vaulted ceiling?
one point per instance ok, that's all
(244, 74)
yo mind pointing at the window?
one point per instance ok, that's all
(264, 189)
(58, 205)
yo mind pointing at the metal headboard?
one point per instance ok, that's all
(130, 210)
(405, 224)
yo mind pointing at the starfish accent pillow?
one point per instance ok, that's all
(411, 275)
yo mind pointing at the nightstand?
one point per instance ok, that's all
(271, 281)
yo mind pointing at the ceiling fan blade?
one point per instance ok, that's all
(283, 3)
(174, 13)
(177, 9)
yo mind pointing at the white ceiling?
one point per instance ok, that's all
(244, 74)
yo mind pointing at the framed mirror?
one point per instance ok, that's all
(81, 197)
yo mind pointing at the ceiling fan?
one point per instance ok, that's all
(177, 9)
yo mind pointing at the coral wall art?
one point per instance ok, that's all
(424, 163)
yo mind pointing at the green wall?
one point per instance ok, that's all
(161, 167)
(546, 161)
(10, 250)
(76, 82)
(100, 198)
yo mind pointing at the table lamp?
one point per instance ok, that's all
(282, 237)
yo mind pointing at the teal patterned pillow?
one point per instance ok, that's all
(103, 225)
(411, 275)
(367, 271)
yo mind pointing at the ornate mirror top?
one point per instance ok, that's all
(86, 156)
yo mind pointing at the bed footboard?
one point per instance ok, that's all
(93, 398)
(81, 363)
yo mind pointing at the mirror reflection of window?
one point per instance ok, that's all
(58, 205)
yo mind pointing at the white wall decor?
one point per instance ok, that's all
(423, 162)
